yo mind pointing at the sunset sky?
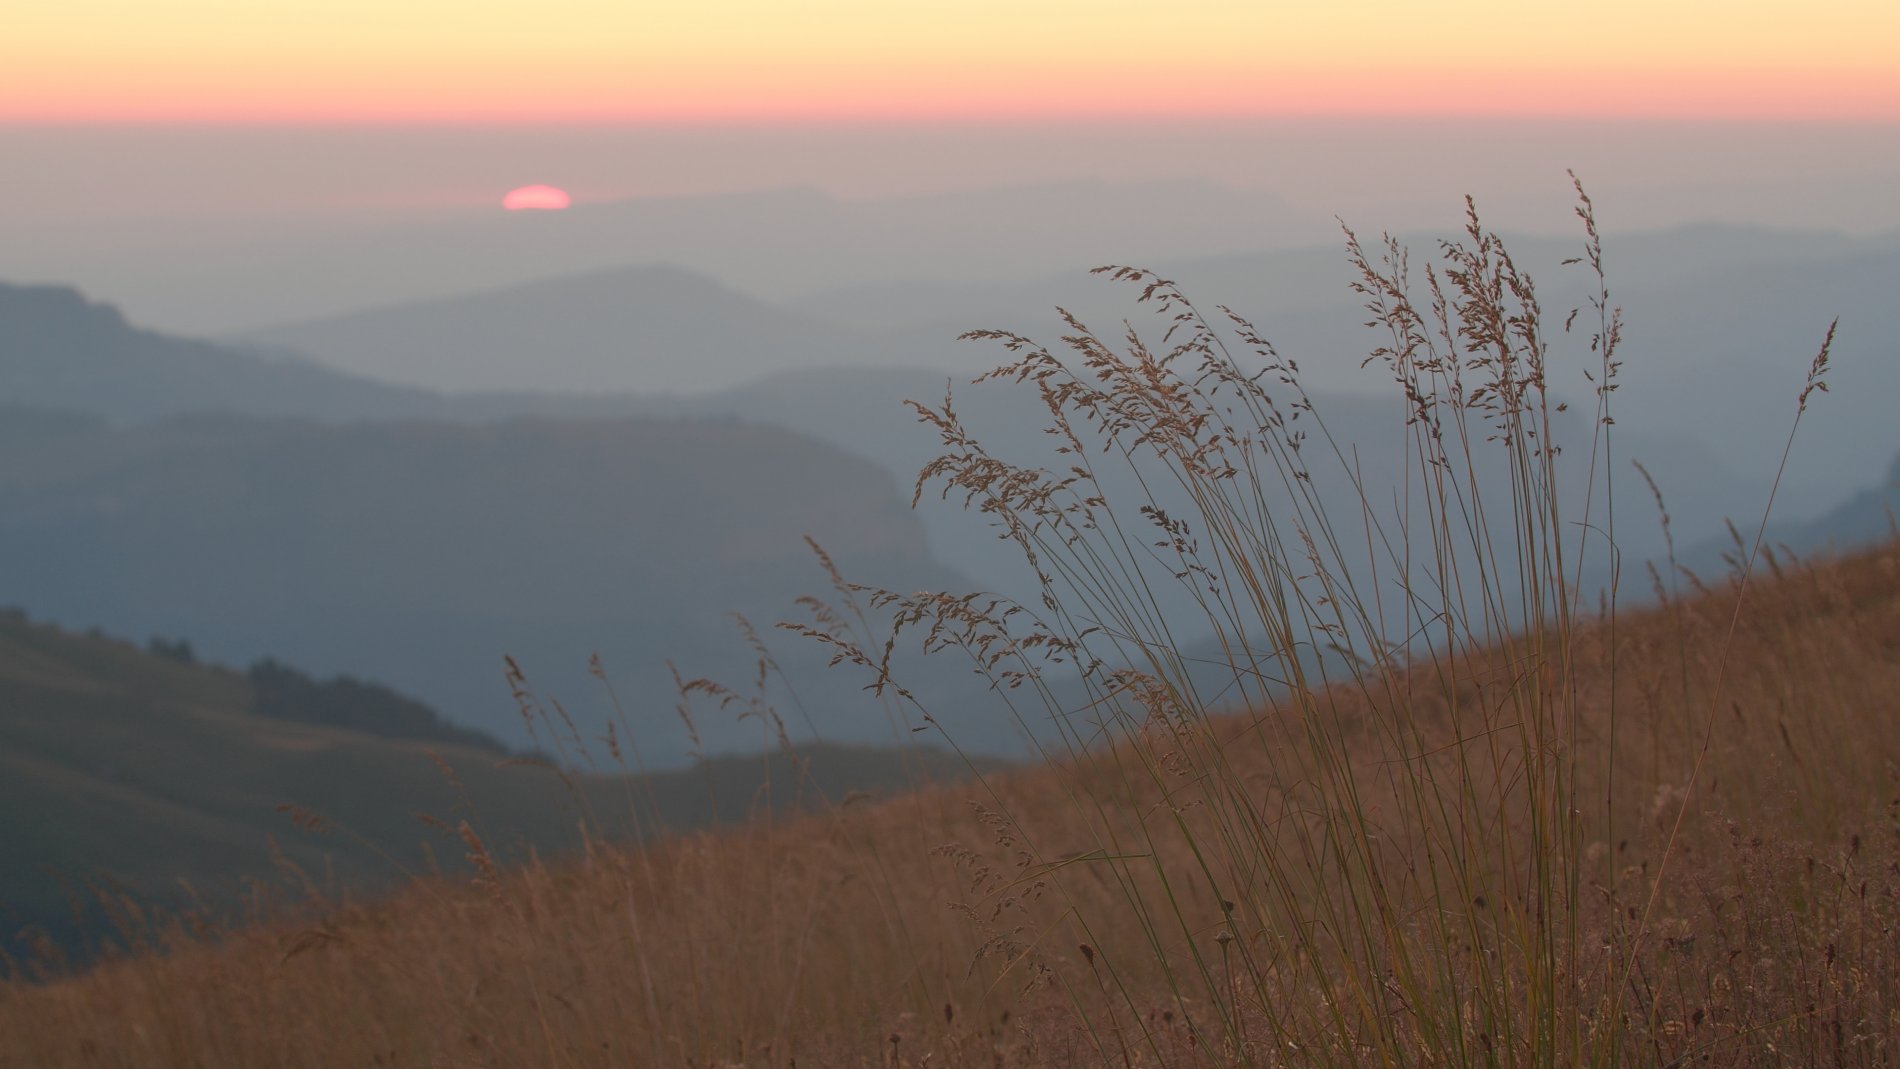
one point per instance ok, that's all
(375, 61)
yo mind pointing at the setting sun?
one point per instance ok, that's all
(536, 199)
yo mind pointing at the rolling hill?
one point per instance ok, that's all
(1696, 313)
(629, 330)
(421, 553)
(1710, 311)
(60, 350)
(858, 409)
(126, 772)
(777, 243)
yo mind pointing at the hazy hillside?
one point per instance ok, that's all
(629, 330)
(1720, 323)
(859, 409)
(864, 411)
(60, 350)
(1869, 517)
(1708, 306)
(420, 554)
(123, 769)
(777, 243)
(1265, 282)
(1742, 308)
(1710, 463)
(1732, 345)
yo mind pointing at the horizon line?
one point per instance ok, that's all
(933, 120)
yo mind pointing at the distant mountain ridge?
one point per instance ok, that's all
(1721, 308)
(778, 243)
(420, 553)
(1867, 518)
(642, 329)
(861, 408)
(60, 350)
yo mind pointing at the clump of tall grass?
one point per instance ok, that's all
(1396, 853)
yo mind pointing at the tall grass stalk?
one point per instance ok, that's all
(1395, 873)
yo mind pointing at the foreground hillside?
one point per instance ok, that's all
(128, 777)
(994, 924)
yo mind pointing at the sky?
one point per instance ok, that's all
(156, 123)
(485, 61)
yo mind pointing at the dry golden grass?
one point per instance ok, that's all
(913, 931)
(1668, 838)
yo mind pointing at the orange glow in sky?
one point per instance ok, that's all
(746, 60)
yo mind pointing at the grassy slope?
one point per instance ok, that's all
(121, 768)
(856, 937)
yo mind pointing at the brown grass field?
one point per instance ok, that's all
(1660, 837)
